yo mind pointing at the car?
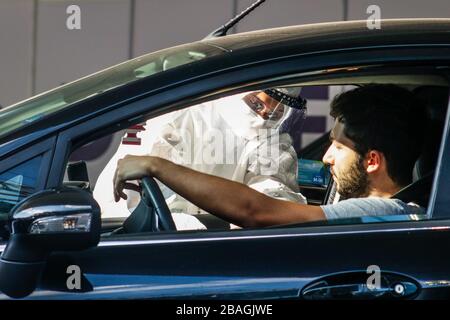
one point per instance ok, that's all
(53, 230)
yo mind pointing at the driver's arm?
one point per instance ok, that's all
(229, 200)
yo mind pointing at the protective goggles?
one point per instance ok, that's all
(271, 104)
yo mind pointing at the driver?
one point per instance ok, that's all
(235, 137)
(376, 140)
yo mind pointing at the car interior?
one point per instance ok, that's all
(429, 84)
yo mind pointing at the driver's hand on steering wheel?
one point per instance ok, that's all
(131, 168)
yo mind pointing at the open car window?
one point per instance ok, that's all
(210, 138)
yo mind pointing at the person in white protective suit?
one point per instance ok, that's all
(235, 137)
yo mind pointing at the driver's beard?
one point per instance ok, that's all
(354, 182)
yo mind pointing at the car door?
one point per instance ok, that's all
(260, 264)
(284, 262)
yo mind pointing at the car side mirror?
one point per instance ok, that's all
(51, 220)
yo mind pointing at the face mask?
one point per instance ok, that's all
(257, 122)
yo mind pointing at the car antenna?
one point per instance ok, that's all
(222, 31)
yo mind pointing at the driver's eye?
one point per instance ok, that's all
(259, 106)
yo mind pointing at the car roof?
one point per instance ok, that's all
(334, 32)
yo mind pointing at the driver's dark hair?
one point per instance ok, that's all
(386, 118)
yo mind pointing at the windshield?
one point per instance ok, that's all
(37, 107)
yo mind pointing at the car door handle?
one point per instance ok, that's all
(354, 285)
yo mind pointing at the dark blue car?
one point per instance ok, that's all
(58, 243)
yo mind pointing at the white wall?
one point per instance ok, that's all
(161, 24)
(16, 53)
(280, 13)
(63, 55)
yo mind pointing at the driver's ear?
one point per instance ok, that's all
(374, 161)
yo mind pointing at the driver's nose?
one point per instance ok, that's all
(328, 157)
(265, 112)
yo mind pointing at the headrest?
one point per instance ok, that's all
(436, 100)
(426, 162)
(424, 165)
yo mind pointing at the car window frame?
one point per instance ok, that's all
(145, 107)
(440, 192)
(44, 148)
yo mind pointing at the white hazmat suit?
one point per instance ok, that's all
(224, 138)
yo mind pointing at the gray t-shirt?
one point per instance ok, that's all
(359, 207)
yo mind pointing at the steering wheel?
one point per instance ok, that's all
(152, 214)
(154, 200)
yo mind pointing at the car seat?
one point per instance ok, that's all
(436, 100)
